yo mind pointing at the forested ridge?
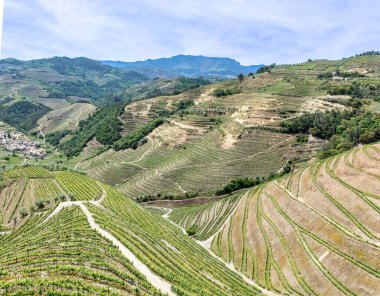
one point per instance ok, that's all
(22, 114)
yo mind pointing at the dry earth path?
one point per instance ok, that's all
(154, 279)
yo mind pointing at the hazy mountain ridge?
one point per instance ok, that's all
(188, 66)
(57, 83)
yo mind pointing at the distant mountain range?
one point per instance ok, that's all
(187, 66)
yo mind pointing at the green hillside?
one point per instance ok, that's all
(22, 114)
(64, 78)
(239, 128)
(56, 85)
(101, 242)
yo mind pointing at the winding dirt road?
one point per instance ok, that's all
(154, 279)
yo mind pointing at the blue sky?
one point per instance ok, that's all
(250, 31)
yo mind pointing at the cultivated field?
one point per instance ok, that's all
(203, 165)
(102, 243)
(315, 232)
(213, 141)
(367, 64)
(27, 185)
(66, 117)
(207, 219)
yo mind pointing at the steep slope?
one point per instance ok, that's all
(315, 232)
(33, 188)
(64, 118)
(66, 257)
(103, 243)
(163, 87)
(205, 220)
(213, 140)
(233, 129)
(21, 113)
(366, 64)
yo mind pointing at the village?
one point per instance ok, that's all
(17, 142)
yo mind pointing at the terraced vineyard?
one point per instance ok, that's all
(369, 63)
(65, 258)
(81, 186)
(67, 117)
(34, 188)
(105, 246)
(214, 140)
(207, 219)
(312, 232)
(155, 168)
(140, 113)
(315, 232)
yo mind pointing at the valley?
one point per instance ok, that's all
(215, 139)
(262, 184)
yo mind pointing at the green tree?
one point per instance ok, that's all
(23, 212)
(40, 203)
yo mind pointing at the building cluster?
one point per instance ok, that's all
(16, 142)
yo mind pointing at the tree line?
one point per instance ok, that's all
(342, 129)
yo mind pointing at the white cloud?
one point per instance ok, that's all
(250, 31)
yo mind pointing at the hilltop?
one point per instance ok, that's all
(70, 79)
(187, 66)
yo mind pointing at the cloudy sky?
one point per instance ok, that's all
(250, 31)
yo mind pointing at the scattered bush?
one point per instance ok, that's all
(371, 52)
(329, 75)
(238, 184)
(301, 139)
(191, 231)
(186, 84)
(23, 212)
(357, 90)
(220, 92)
(40, 203)
(364, 128)
(264, 69)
